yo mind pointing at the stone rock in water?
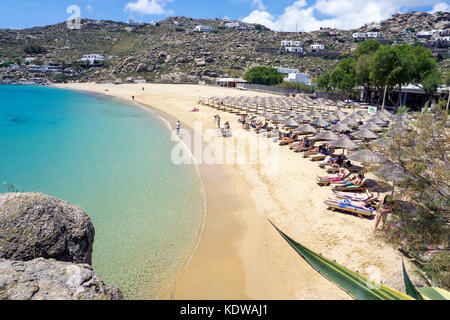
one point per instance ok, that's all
(42, 279)
(34, 225)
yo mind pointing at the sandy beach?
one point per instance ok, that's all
(240, 255)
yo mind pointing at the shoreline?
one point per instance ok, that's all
(249, 259)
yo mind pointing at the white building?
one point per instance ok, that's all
(29, 60)
(232, 25)
(92, 58)
(135, 23)
(286, 71)
(359, 35)
(374, 35)
(290, 43)
(443, 39)
(317, 47)
(201, 28)
(424, 34)
(299, 78)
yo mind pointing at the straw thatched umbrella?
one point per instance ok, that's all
(371, 126)
(267, 115)
(382, 143)
(319, 122)
(365, 134)
(376, 120)
(391, 172)
(303, 118)
(339, 114)
(330, 118)
(349, 121)
(306, 128)
(289, 114)
(344, 143)
(291, 123)
(277, 118)
(314, 114)
(339, 127)
(327, 135)
(366, 156)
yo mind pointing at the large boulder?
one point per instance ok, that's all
(34, 225)
(43, 279)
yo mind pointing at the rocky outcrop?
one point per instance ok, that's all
(42, 279)
(46, 251)
(34, 225)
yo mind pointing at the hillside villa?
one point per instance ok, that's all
(92, 58)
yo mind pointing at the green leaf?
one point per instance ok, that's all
(434, 293)
(351, 282)
(409, 286)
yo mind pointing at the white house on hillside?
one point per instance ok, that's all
(290, 43)
(135, 23)
(91, 58)
(374, 35)
(232, 25)
(317, 47)
(286, 71)
(201, 28)
(424, 34)
(359, 36)
(299, 78)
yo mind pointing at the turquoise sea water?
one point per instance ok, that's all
(113, 160)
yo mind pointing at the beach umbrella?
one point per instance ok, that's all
(302, 118)
(371, 126)
(382, 143)
(365, 134)
(330, 118)
(340, 127)
(291, 123)
(327, 135)
(319, 122)
(277, 118)
(344, 143)
(366, 156)
(391, 172)
(376, 120)
(306, 128)
(267, 115)
(314, 114)
(289, 114)
(385, 113)
(349, 121)
(339, 114)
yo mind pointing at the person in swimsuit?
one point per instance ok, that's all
(383, 211)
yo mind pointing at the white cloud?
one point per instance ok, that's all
(258, 4)
(441, 6)
(155, 7)
(342, 14)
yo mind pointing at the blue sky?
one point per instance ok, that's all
(281, 15)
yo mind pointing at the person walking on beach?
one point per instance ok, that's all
(132, 97)
(218, 121)
(178, 127)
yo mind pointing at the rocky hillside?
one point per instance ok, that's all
(168, 51)
(46, 251)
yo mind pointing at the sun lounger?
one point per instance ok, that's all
(352, 169)
(327, 181)
(362, 187)
(318, 157)
(347, 206)
(368, 197)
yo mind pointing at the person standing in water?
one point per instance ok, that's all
(178, 127)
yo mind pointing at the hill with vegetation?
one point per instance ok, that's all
(169, 51)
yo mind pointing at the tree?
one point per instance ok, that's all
(343, 78)
(324, 82)
(35, 49)
(362, 73)
(368, 47)
(432, 79)
(420, 227)
(263, 75)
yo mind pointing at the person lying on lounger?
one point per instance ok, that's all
(334, 161)
(354, 182)
(343, 173)
(368, 196)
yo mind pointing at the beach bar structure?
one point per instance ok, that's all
(228, 82)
